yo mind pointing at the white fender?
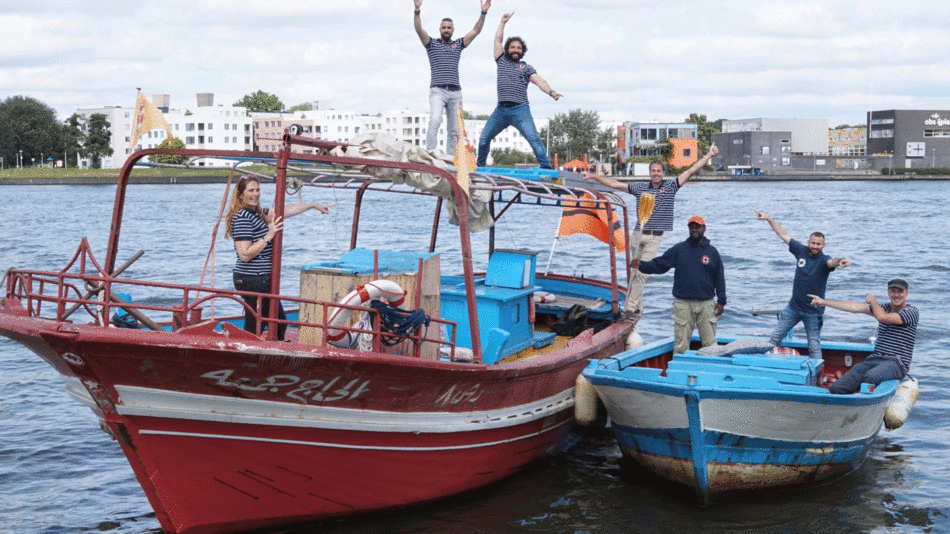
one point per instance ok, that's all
(898, 409)
(633, 340)
(585, 402)
(543, 297)
(363, 293)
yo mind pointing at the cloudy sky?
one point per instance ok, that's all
(626, 59)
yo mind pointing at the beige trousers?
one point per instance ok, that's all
(649, 246)
(689, 314)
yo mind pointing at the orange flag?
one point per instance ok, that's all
(147, 118)
(464, 159)
(586, 217)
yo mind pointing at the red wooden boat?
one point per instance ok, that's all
(228, 430)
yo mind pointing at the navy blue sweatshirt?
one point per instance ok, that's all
(699, 274)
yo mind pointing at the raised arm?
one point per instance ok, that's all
(543, 85)
(500, 35)
(417, 21)
(843, 305)
(882, 316)
(470, 36)
(782, 232)
(839, 262)
(297, 208)
(609, 182)
(713, 152)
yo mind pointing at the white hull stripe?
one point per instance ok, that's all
(148, 402)
(360, 447)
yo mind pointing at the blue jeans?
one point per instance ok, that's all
(520, 117)
(812, 323)
(875, 369)
(448, 101)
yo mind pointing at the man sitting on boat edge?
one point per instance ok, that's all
(896, 335)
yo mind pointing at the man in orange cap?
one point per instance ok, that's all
(699, 276)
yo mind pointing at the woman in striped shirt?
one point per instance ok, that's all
(253, 230)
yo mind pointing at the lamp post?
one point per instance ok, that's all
(21, 159)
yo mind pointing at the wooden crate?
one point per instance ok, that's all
(333, 282)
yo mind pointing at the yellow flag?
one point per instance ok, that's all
(464, 158)
(147, 118)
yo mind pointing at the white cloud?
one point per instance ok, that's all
(620, 57)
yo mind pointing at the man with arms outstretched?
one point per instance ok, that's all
(650, 236)
(513, 108)
(812, 268)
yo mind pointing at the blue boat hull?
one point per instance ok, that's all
(735, 425)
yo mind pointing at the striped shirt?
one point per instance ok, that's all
(898, 340)
(247, 225)
(444, 61)
(513, 80)
(662, 218)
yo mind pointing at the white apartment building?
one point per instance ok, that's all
(201, 126)
(226, 127)
(341, 126)
(120, 128)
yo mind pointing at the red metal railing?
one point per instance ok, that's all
(63, 291)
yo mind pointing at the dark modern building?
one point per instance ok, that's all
(912, 139)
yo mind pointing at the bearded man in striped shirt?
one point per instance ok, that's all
(513, 109)
(445, 90)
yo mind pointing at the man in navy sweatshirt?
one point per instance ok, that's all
(698, 277)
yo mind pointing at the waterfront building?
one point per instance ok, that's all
(807, 136)
(202, 125)
(636, 139)
(847, 141)
(910, 138)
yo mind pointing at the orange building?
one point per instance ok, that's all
(685, 152)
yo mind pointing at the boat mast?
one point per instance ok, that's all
(280, 180)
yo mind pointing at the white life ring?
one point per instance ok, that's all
(361, 295)
(542, 297)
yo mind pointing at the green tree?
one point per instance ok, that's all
(306, 106)
(98, 139)
(508, 157)
(572, 135)
(704, 130)
(605, 146)
(30, 126)
(261, 101)
(72, 140)
(170, 143)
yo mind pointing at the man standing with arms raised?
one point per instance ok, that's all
(513, 109)
(445, 90)
(812, 268)
(650, 236)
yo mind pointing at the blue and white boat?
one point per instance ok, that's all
(734, 419)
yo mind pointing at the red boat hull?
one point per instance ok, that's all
(228, 434)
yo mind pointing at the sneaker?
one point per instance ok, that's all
(631, 316)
